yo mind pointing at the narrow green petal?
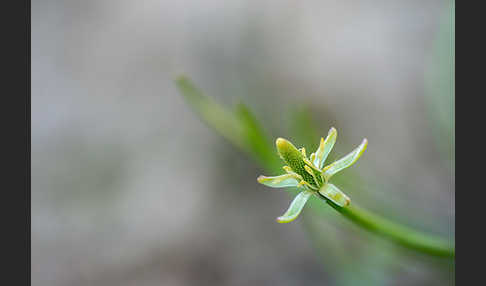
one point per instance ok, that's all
(286, 180)
(332, 193)
(346, 161)
(295, 207)
(325, 148)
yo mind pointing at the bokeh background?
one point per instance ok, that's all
(129, 187)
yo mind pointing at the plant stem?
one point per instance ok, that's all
(400, 234)
(243, 131)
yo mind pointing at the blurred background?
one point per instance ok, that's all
(130, 187)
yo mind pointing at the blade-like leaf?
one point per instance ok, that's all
(215, 115)
(332, 193)
(287, 180)
(240, 127)
(325, 148)
(346, 161)
(295, 207)
(302, 125)
(256, 139)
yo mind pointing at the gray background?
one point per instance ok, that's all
(129, 187)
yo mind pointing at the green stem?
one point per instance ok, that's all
(400, 234)
(243, 131)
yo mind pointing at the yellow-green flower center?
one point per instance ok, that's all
(295, 160)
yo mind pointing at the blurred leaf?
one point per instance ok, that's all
(256, 139)
(212, 113)
(303, 128)
(240, 127)
(440, 84)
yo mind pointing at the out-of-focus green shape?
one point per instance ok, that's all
(302, 126)
(439, 81)
(237, 131)
(400, 234)
(295, 207)
(256, 139)
(239, 127)
(225, 122)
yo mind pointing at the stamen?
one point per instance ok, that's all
(312, 157)
(302, 150)
(309, 170)
(287, 169)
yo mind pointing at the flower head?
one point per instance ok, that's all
(310, 175)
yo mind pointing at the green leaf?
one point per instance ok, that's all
(256, 139)
(303, 128)
(239, 127)
(325, 148)
(287, 180)
(345, 162)
(332, 193)
(295, 207)
(216, 116)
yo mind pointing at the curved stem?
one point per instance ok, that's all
(243, 131)
(400, 234)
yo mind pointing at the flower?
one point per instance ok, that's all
(310, 175)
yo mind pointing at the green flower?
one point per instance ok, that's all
(310, 175)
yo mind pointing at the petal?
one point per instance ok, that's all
(286, 180)
(325, 148)
(345, 162)
(332, 193)
(295, 207)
